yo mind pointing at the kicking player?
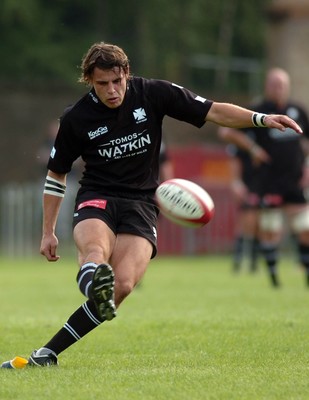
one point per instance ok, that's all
(116, 128)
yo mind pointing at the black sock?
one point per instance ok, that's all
(304, 258)
(271, 255)
(81, 322)
(254, 249)
(238, 251)
(84, 277)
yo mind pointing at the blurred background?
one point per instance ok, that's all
(218, 48)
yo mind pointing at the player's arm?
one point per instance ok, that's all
(54, 190)
(238, 187)
(233, 116)
(244, 142)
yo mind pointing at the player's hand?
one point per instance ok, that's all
(239, 190)
(281, 122)
(49, 246)
(259, 155)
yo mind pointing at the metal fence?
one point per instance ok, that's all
(21, 219)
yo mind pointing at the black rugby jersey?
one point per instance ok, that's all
(120, 147)
(284, 148)
(247, 166)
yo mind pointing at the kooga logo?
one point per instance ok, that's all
(100, 131)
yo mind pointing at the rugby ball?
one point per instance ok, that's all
(184, 202)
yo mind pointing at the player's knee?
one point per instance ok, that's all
(123, 288)
(300, 221)
(271, 220)
(92, 252)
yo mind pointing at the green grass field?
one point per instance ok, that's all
(193, 330)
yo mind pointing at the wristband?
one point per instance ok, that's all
(54, 187)
(258, 120)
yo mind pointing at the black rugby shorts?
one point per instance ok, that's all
(121, 215)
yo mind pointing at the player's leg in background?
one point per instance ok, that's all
(251, 236)
(238, 247)
(299, 221)
(271, 228)
(246, 246)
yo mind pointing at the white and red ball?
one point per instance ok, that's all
(185, 202)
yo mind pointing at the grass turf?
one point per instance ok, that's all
(192, 330)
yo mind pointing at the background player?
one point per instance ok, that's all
(279, 179)
(246, 246)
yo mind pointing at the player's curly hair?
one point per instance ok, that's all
(104, 56)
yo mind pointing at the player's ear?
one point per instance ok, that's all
(90, 79)
(126, 71)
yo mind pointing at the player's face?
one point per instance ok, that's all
(110, 86)
(277, 88)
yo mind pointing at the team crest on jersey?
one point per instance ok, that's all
(140, 115)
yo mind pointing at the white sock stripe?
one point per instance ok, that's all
(87, 288)
(71, 331)
(88, 264)
(83, 274)
(90, 315)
